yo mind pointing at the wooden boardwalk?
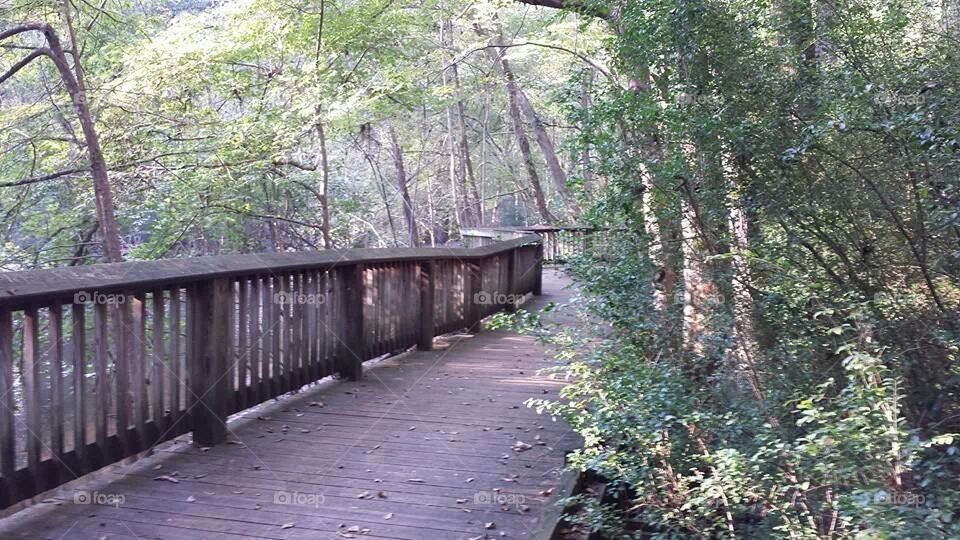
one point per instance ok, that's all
(429, 445)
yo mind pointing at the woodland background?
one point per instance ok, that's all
(782, 176)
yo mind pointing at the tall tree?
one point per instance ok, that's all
(73, 82)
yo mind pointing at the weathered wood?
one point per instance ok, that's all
(538, 272)
(465, 405)
(473, 294)
(139, 363)
(243, 346)
(248, 337)
(7, 422)
(158, 357)
(256, 347)
(31, 387)
(55, 336)
(512, 287)
(207, 360)
(122, 331)
(22, 288)
(176, 356)
(101, 358)
(427, 273)
(78, 348)
(351, 353)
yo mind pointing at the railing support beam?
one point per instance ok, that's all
(210, 305)
(474, 293)
(428, 272)
(350, 350)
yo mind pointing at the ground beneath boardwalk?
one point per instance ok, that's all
(430, 445)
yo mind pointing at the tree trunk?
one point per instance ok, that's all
(324, 184)
(473, 205)
(408, 213)
(546, 145)
(457, 142)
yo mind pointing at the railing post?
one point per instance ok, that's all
(512, 292)
(351, 349)
(474, 292)
(538, 284)
(428, 271)
(208, 357)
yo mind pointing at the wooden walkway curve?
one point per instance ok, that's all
(428, 445)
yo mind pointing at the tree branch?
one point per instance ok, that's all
(586, 7)
(36, 53)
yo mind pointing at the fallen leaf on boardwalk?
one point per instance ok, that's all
(316, 404)
(347, 535)
(167, 478)
(521, 446)
(468, 480)
(416, 480)
(353, 528)
(191, 499)
(364, 495)
(489, 525)
(388, 516)
(288, 525)
(204, 448)
(461, 501)
(411, 428)
(157, 467)
(546, 492)
(524, 508)
(381, 494)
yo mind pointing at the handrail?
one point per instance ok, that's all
(23, 287)
(561, 243)
(102, 362)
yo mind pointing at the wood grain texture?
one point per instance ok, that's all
(421, 448)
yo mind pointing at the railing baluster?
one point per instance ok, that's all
(78, 348)
(31, 388)
(55, 335)
(139, 361)
(8, 451)
(255, 335)
(159, 361)
(176, 374)
(101, 357)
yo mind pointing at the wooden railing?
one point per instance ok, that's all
(560, 244)
(99, 363)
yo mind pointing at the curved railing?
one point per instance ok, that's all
(99, 363)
